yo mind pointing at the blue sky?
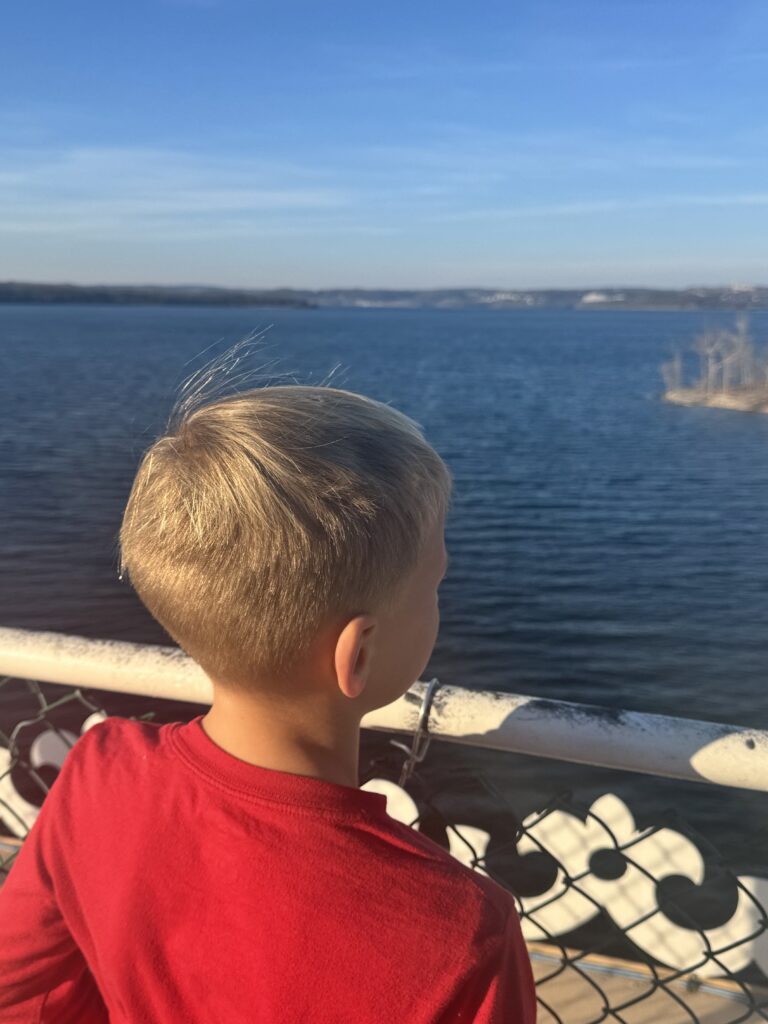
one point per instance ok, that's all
(237, 142)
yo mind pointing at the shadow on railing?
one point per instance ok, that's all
(623, 923)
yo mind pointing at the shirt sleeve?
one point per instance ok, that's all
(44, 978)
(500, 990)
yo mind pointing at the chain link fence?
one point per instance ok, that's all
(634, 925)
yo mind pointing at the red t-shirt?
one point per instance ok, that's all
(167, 882)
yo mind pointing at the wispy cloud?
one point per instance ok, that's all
(100, 189)
(427, 63)
(585, 208)
(461, 176)
(489, 157)
(555, 56)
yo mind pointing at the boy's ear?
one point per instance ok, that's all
(352, 659)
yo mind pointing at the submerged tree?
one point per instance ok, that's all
(728, 363)
(672, 372)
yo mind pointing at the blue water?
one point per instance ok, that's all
(605, 546)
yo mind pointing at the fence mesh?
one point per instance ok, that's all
(634, 925)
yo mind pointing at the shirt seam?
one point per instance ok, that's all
(232, 789)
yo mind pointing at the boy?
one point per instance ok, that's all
(229, 870)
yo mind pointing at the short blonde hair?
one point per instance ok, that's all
(262, 516)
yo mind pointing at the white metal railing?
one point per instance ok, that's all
(678, 748)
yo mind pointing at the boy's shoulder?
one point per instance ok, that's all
(108, 747)
(459, 883)
(460, 869)
(103, 737)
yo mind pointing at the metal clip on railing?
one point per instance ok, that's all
(421, 736)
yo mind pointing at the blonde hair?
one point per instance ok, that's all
(262, 516)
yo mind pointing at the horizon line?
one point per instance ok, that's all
(737, 287)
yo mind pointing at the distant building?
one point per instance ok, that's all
(596, 297)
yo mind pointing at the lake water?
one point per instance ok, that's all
(605, 546)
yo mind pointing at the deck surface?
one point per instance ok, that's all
(634, 996)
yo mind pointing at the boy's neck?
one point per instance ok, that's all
(321, 742)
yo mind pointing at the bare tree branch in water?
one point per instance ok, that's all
(732, 373)
(672, 372)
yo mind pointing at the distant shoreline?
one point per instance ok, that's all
(741, 298)
(119, 295)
